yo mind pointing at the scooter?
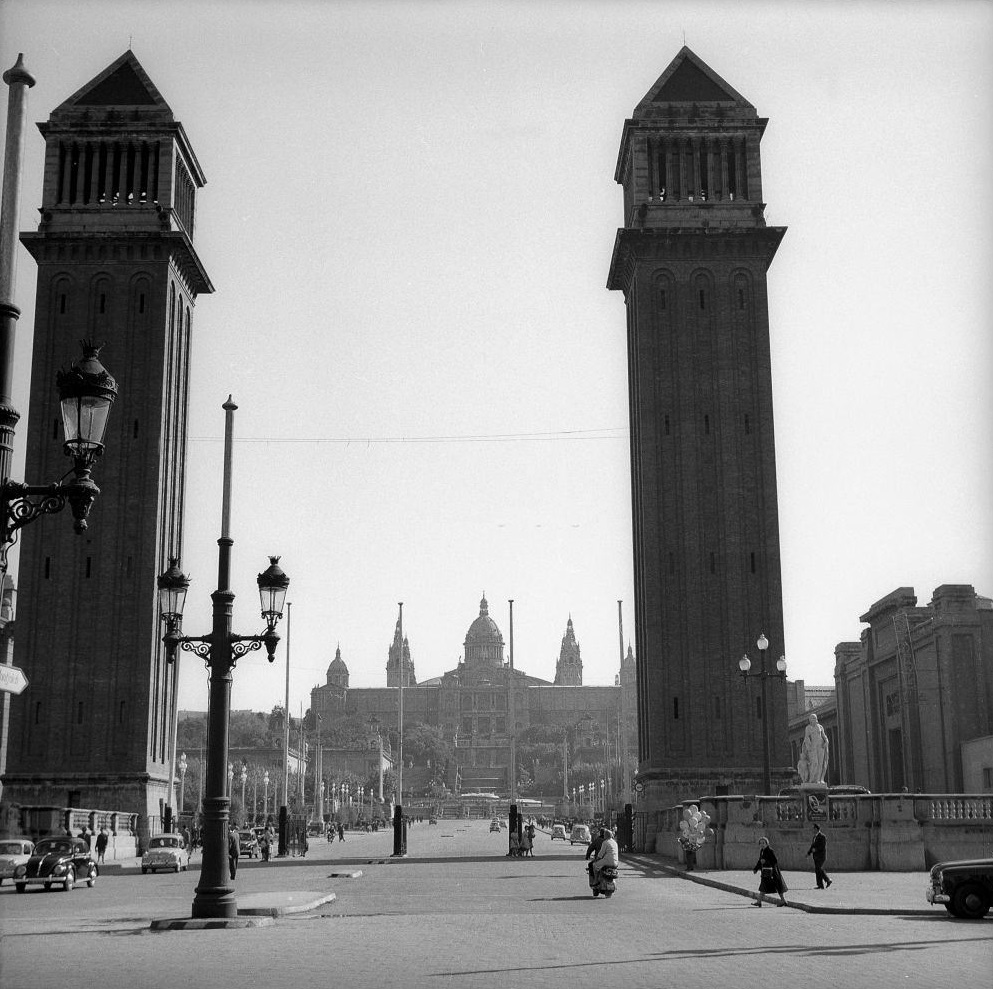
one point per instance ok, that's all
(604, 881)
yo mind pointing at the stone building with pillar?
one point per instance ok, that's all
(915, 690)
(691, 261)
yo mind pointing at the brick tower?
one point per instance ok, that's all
(116, 265)
(691, 260)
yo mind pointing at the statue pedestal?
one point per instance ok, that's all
(813, 796)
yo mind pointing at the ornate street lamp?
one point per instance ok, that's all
(86, 393)
(265, 794)
(745, 665)
(220, 650)
(182, 780)
(244, 780)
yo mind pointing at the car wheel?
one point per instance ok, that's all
(48, 885)
(596, 892)
(91, 878)
(971, 901)
(144, 870)
(608, 895)
(70, 881)
(20, 887)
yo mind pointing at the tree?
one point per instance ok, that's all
(426, 744)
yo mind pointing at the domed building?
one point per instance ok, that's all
(482, 702)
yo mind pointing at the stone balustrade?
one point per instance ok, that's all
(886, 831)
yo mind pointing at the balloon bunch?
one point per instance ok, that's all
(694, 828)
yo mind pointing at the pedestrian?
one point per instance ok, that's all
(818, 849)
(330, 834)
(87, 836)
(265, 845)
(771, 879)
(304, 845)
(527, 844)
(102, 840)
(234, 850)
(341, 831)
(515, 845)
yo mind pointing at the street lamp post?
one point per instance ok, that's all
(265, 794)
(230, 778)
(220, 650)
(745, 665)
(86, 393)
(182, 780)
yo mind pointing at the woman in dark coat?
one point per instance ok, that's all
(771, 878)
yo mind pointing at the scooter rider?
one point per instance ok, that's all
(593, 848)
(607, 855)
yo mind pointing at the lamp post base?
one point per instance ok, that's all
(217, 901)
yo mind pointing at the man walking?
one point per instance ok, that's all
(818, 849)
(234, 850)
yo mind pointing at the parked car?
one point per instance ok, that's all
(558, 831)
(57, 862)
(580, 832)
(494, 825)
(964, 888)
(432, 820)
(165, 851)
(13, 852)
(248, 844)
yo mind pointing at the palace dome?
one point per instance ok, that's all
(483, 629)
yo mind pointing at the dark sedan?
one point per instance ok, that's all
(57, 862)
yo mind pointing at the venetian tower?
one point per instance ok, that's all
(116, 265)
(691, 261)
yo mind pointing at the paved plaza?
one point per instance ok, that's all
(457, 913)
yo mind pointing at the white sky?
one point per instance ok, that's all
(408, 219)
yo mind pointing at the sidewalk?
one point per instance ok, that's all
(850, 892)
(266, 890)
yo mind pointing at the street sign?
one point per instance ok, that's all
(12, 679)
(639, 788)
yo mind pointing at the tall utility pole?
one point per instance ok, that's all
(512, 713)
(622, 748)
(20, 81)
(400, 712)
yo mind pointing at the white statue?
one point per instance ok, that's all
(814, 754)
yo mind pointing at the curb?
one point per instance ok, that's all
(213, 924)
(260, 908)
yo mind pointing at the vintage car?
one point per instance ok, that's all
(494, 825)
(57, 862)
(580, 832)
(964, 888)
(248, 844)
(558, 831)
(13, 852)
(165, 851)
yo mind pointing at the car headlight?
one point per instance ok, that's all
(21, 870)
(59, 869)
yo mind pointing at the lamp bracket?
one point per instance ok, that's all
(22, 504)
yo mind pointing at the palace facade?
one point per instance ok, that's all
(485, 701)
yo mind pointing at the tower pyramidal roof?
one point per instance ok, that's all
(688, 79)
(124, 83)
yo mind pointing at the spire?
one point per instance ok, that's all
(484, 608)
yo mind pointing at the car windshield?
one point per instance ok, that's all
(167, 842)
(13, 848)
(51, 847)
(247, 836)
